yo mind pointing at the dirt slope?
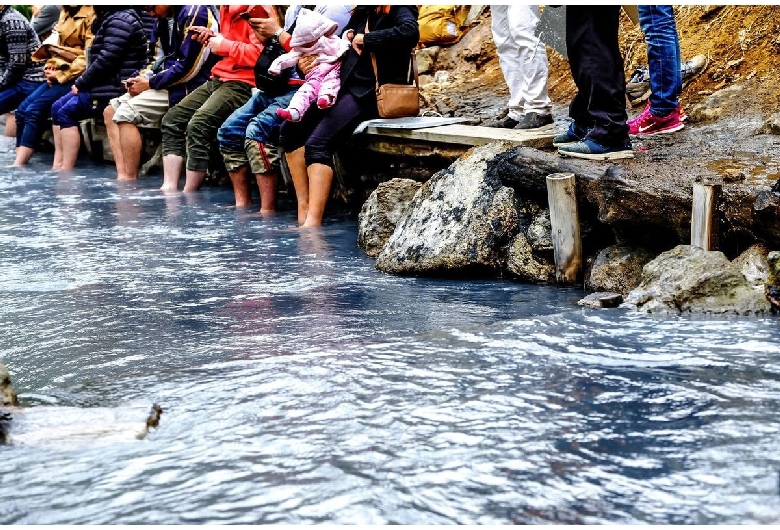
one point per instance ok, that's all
(742, 43)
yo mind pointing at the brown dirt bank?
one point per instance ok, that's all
(730, 105)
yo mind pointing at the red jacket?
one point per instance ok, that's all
(240, 48)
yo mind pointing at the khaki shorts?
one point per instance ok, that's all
(144, 110)
(262, 158)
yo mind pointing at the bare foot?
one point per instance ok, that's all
(168, 189)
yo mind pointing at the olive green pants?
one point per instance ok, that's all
(189, 128)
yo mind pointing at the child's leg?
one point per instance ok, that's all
(329, 88)
(305, 96)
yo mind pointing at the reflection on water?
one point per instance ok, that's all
(300, 385)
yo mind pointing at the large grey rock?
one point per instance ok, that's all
(461, 221)
(601, 300)
(753, 265)
(426, 59)
(688, 279)
(617, 269)
(381, 211)
(524, 264)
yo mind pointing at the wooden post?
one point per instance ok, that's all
(704, 229)
(567, 247)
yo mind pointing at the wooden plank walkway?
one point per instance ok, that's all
(458, 133)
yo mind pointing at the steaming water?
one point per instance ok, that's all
(300, 385)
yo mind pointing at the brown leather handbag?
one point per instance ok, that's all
(397, 100)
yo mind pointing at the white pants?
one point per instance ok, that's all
(523, 58)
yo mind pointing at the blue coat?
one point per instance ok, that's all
(118, 50)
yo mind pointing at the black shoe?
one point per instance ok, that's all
(505, 123)
(532, 120)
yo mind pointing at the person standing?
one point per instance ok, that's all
(523, 59)
(663, 113)
(598, 111)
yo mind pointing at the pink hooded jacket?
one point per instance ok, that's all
(312, 36)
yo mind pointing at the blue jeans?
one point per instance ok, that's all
(13, 95)
(256, 117)
(70, 109)
(663, 57)
(32, 114)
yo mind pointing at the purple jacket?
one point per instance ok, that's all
(178, 63)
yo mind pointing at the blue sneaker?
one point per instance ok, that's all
(575, 133)
(593, 151)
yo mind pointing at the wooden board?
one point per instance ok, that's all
(470, 135)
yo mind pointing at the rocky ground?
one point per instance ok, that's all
(731, 132)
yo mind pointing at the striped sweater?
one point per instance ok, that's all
(18, 41)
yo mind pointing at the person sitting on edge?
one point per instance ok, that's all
(314, 35)
(388, 32)
(65, 61)
(248, 138)
(118, 49)
(20, 75)
(177, 66)
(190, 127)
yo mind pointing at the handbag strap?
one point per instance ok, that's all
(413, 65)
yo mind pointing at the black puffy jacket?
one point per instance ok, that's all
(118, 50)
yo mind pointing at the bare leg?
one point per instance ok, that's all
(23, 155)
(172, 166)
(193, 180)
(131, 144)
(112, 131)
(320, 179)
(241, 190)
(267, 184)
(10, 125)
(55, 132)
(300, 178)
(71, 142)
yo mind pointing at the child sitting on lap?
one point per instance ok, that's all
(313, 35)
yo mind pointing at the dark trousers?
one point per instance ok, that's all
(597, 68)
(323, 131)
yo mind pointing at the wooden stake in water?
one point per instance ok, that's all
(567, 247)
(704, 233)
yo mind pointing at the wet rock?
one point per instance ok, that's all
(772, 288)
(524, 265)
(712, 108)
(601, 300)
(688, 279)
(540, 233)
(381, 211)
(459, 222)
(753, 265)
(771, 125)
(617, 269)
(7, 399)
(7, 394)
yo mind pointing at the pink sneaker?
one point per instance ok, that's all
(646, 124)
(633, 123)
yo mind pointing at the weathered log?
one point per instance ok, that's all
(641, 209)
(567, 246)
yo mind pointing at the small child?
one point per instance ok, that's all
(313, 35)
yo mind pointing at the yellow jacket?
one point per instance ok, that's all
(74, 35)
